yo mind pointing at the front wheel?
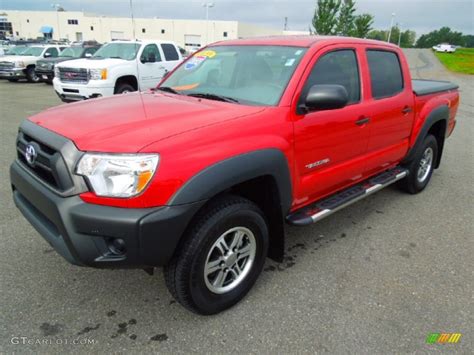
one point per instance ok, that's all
(421, 168)
(220, 258)
(31, 75)
(124, 89)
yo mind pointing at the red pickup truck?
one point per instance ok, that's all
(200, 174)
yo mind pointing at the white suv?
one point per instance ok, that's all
(117, 67)
(23, 66)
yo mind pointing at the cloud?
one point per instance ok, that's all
(419, 15)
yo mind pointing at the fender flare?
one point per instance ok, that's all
(235, 170)
(438, 114)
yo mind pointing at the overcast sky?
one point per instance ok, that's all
(419, 15)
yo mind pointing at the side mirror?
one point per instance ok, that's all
(325, 97)
(88, 55)
(47, 55)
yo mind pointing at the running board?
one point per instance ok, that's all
(325, 207)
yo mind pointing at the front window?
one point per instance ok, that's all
(16, 51)
(72, 52)
(33, 51)
(255, 75)
(127, 51)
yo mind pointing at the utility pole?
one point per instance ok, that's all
(399, 33)
(391, 26)
(57, 7)
(207, 5)
(285, 27)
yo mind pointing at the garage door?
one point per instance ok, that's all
(116, 35)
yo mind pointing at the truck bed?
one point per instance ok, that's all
(427, 87)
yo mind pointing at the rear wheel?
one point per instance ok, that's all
(220, 258)
(421, 168)
(31, 75)
(124, 89)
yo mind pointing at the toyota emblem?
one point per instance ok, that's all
(30, 154)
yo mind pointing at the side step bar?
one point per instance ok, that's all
(327, 206)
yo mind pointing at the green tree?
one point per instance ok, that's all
(345, 22)
(325, 16)
(443, 35)
(468, 41)
(363, 25)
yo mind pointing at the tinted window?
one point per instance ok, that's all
(170, 51)
(336, 68)
(52, 51)
(90, 50)
(385, 73)
(149, 50)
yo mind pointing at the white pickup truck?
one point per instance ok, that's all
(117, 67)
(445, 47)
(22, 66)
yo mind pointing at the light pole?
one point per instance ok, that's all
(399, 33)
(57, 6)
(391, 26)
(207, 5)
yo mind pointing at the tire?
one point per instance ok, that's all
(124, 88)
(215, 289)
(421, 168)
(31, 75)
(12, 80)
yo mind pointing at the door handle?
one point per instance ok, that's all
(406, 110)
(362, 121)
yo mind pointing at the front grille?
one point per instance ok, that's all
(6, 65)
(49, 165)
(43, 66)
(73, 75)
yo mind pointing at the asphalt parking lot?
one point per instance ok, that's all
(377, 277)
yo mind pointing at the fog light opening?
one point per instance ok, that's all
(116, 246)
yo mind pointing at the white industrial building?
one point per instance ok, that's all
(81, 26)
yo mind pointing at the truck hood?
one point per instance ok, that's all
(16, 58)
(92, 63)
(55, 60)
(127, 123)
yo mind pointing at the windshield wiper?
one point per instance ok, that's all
(168, 89)
(213, 97)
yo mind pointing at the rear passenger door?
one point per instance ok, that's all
(171, 56)
(391, 109)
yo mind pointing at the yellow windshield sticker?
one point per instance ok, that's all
(186, 87)
(208, 54)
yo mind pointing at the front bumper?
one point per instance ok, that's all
(14, 73)
(45, 75)
(70, 92)
(82, 233)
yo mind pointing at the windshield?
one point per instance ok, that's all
(33, 51)
(127, 51)
(16, 50)
(71, 52)
(255, 75)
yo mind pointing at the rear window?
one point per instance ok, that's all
(385, 73)
(169, 51)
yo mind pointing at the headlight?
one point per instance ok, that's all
(117, 175)
(97, 74)
(20, 64)
(56, 72)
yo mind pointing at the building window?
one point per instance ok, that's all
(225, 34)
(27, 21)
(17, 33)
(73, 22)
(162, 31)
(92, 28)
(143, 30)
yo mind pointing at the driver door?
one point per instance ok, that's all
(150, 70)
(330, 144)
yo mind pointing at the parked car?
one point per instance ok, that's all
(200, 174)
(23, 66)
(117, 67)
(444, 47)
(45, 67)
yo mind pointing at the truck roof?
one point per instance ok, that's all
(300, 41)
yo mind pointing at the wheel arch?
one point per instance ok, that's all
(261, 176)
(129, 79)
(436, 123)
